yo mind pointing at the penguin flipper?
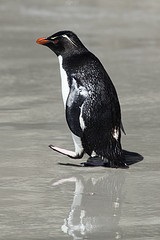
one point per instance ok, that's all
(66, 152)
(122, 128)
(76, 98)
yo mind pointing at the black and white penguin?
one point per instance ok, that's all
(91, 103)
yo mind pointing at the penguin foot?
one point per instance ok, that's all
(66, 152)
(129, 158)
(103, 162)
(93, 162)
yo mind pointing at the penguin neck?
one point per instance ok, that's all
(64, 81)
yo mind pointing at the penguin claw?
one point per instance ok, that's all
(65, 152)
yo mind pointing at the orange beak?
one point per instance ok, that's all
(42, 41)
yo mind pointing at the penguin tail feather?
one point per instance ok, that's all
(132, 157)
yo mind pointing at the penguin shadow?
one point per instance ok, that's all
(95, 211)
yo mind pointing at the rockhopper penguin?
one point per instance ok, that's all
(90, 100)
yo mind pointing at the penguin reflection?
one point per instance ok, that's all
(96, 206)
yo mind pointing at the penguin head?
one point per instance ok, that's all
(64, 43)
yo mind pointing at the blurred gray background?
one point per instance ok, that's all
(85, 203)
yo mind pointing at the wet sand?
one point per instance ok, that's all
(40, 199)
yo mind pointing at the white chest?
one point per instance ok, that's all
(64, 82)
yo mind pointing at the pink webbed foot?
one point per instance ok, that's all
(66, 152)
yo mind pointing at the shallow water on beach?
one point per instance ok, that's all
(40, 199)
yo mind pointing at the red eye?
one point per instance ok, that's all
(56, 41)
